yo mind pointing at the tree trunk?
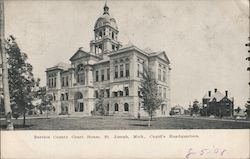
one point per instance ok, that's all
(8, 112)
(24, 117)
(24, 114)
(149, 122)
(149, 119)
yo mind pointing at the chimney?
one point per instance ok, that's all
(215, 90)
(226, 93)
(209, 93)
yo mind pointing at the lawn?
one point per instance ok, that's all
(123, 123)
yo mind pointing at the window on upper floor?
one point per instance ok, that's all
(115, 94)
(159, 74)
(67, 81)
(160, 92)
(164, 76)
(113, 35)
(100, 35)
(54, 96)
(62, 96)
(138, 70)
(121, 70)
(82, 78)
(116, 107)
(107, 93)
(96, 93)
(126, 91)
(96, 75)
(108, 74)
(120, 93)
(54, 82)
(116, 71)
(107, 107)
(164, 93)
(62, 81)
(126, 107)
(49, 83)
(127, 69)
(66, 96)
(102, 75)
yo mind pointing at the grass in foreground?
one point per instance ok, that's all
(122, 123)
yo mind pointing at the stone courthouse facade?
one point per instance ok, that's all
(108, 68)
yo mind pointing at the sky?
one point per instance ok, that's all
(204, 40)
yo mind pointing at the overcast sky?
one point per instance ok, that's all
(204, 40)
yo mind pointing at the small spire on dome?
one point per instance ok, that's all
(106, 8)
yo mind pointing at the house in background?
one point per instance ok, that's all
(177, 110)
(110, 69)
(218, 104)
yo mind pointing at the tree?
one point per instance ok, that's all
(100, 106)
(248, 109)
(21, 80)
(149, 93)
(195, 107)
(45, 104)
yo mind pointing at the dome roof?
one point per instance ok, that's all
(106, 19)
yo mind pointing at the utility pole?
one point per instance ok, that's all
(6, 94)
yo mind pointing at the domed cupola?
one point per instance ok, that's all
(106, 32)
(106, 19)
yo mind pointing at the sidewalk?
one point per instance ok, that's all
(213, 119)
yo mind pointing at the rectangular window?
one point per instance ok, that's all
(138, 70)
(164, 93)
(116, 71)
(83, 78)
(96, 76)
(126, 91)
(121, 70)
(107, 93)
(96, 94)
(120, 93)
(160, 92)
(115, 94)
(78, 78)
(62, 81)
(55, 82)
(108, 74)
(101, 93)
(164, 76)
(62, 96)
(81, 107)
(49, 83)
(52, 82)
(107, 107)
(66, 96)
(127, 69)
(102, 74)
(67, 81)
(159, 74)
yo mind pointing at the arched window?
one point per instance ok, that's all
(126, 107)
(116, 107)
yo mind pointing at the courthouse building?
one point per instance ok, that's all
(109, 68)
